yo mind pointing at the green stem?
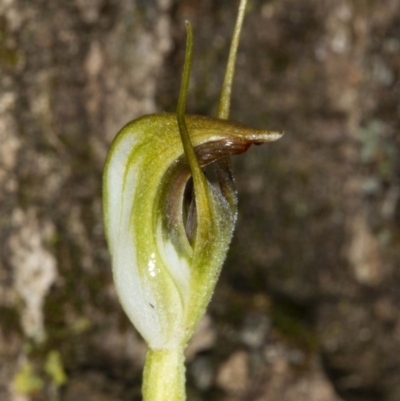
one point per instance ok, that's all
(201, 190)
(225, 100)
(223, 167)
(195, 169)
(164, 375)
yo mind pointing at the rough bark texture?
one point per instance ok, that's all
(307, 305)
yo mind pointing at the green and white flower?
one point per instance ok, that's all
(167, 252)
(164, 279)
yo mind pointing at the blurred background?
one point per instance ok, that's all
(307, 307)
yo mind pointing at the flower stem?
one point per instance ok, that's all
(164, 375)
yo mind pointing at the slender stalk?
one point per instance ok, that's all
(223, 166)
(164, 375)
(197, 174)
(225, 99)
(199, 180)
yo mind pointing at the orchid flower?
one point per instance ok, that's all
(167, 255)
